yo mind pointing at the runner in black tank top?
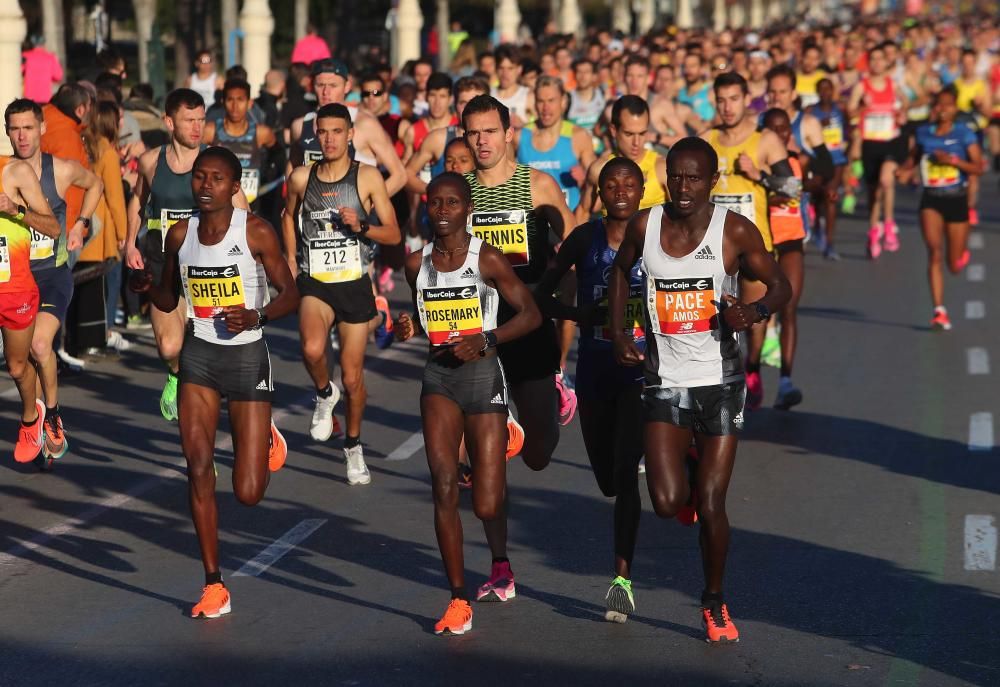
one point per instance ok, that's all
(329, 245)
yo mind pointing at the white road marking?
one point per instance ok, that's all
(975, 310)
(976, 240)
(976, 272)
(977, 360)
(413, 443)
(981, 431)
(279, 547)
(980, 542)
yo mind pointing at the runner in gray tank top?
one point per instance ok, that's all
(691, 252)
(329, 245)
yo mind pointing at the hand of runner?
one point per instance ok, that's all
(239, 319)
(738, 316)
(468, 348)
(349, 218)
(74, 239)
(403, 327)
(904, 173)
(140, 281)
(626, 352)
(133, 258)
(579, 174)
(942, 157)
(747, 167)
(7, 206)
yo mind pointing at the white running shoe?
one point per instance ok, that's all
(70, 361)
(322, 421)
(357, 471)
(118, 342)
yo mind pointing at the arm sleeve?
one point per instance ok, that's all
(824, 162)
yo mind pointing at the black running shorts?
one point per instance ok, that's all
(953, 209)
(352, 302)
(715, 410)
(534, 356)
(476, 387)
(240, 373)
(875, 153)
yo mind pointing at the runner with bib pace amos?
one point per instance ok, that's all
(514, 207)
(49, 256)
(609, 394)
(222, 259)
(691, 252)
(457, 282)
(329, 244)
(751, 162)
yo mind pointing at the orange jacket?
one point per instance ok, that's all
(63, 138)
(110, 211)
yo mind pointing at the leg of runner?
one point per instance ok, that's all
(829, 205)
(16, 344)
(873, 183)
(251, 428)
(537, 403)
(753, 291)
(567, 334)
(933, 227)
(46, 328)
(486, 438)
(315, 321)
(353, 341)
(168, 328)
(792, 263)
(887, 183)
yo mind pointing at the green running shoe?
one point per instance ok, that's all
(770, 354)
(168, 399)
(620, 600)
(848, 204)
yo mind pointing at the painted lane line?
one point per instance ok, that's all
(975, 310)
(980, 542)
(279, 547)
(977, 360)
(981, 431)
(976, 272)
(413, 443)
(976, 241)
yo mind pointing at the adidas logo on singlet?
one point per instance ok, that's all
(469, 273)
(497, 399)
(263, 386)
(704, 254)
(234, 251)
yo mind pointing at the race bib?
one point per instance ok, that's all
(311, 157)
(681, 306)
(880, 126)
(42, 246)
(250, 181)
(335, 259)
(4, 260)
(507, 231)
(833, 136)
(210, 289)
(169, 218)
(635, 318)
(449, 312)
(740, 203)
(937, 175)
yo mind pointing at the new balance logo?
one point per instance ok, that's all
(469, 273)
(234, 251)
(704, 254)
(263, 386)
(498, 399)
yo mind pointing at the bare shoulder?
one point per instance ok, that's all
(147, 161)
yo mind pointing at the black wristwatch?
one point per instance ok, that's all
(763, 311)
(85, 221)
(363, 227)
(261, 318)
(21, 210)
(490, 341)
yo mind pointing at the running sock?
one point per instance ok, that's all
(325, 392)
(753, 367)
(941, 309)
(213, 578)
(709, 599)
(49, 412)
(459, 593)
(501, 559)
(351, 442)
(32, 423)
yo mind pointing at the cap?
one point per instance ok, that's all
(329, 66)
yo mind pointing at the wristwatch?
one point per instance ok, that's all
(763, 311)
(261, 318)
(85, 221)
(489, 341)
(21, 210)
(363, 227)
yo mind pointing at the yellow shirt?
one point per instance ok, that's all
(735, 191)
(805, 86)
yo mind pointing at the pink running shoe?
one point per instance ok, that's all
(963, 261)
(567, 401)
(385, 282)
(500, 586)
(891, 237)
(875, 241)
(755, 391)
(973, 217)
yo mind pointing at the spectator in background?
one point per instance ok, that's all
(110, 61)
(99, 296)
(65, 122)
(311, 47)
(204, 80)
(41, 71)
(271, 95)
(140, 105)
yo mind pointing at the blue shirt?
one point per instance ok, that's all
(943, 179)
(834, 131)
(556, 162)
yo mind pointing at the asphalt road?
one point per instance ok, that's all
(863, 546)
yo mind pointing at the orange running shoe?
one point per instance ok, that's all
(940, 321)
(719, 626)
(515, 437)
(457, 619)
(214, 602)
(279, 450)
(31, 438)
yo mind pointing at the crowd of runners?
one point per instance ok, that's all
(646, 202)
